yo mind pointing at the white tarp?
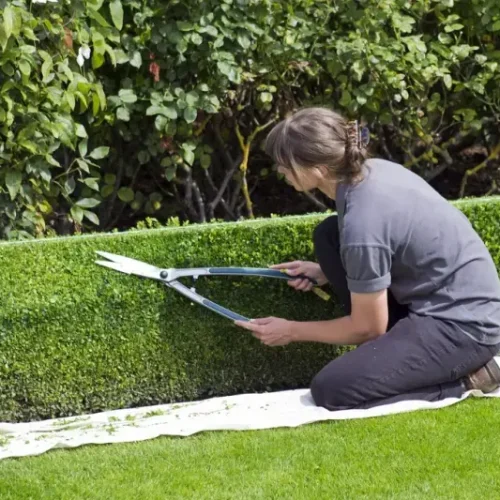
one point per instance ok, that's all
(242, 412)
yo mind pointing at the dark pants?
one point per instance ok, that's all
(419, 358)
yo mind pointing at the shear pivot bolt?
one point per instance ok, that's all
(164, 275)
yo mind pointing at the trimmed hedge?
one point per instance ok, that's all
(77, 338)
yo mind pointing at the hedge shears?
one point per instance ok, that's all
(170, 277)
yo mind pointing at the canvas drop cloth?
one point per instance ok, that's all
(242, 412)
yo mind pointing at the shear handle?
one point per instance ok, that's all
(175, 274)
(199, 299)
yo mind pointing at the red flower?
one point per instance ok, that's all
(154, 69)
(166, 143)
(68, 38)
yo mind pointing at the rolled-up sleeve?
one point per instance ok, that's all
(368, 267)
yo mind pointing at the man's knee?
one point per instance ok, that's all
(330, 389)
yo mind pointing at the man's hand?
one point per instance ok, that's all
(270, 331)
(309, 269)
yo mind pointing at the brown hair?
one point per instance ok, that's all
(318, 136)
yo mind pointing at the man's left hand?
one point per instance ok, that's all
(270, 331)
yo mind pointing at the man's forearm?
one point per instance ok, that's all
(341, 331)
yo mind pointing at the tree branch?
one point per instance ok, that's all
(219, 198)
(199, 200)
(495, 153)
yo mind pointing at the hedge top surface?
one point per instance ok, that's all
(250, 223)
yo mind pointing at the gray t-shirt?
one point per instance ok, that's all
(397, 232)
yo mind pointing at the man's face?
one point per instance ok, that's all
(303, 179)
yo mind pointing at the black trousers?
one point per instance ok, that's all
(418, 358)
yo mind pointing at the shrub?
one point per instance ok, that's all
(78, 338)
(160, 120)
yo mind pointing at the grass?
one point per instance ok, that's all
(451, 453)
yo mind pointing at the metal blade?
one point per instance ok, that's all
(113, 265)
(130, 266)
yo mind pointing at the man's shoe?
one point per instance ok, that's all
(486, 379)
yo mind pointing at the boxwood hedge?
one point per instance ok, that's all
(78, 338)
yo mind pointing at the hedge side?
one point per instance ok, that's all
(77, 338)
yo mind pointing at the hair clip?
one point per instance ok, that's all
(364, 136)
(353, 132)
(359, 137)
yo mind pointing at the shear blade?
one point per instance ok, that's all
(129, 266)
(113, 265)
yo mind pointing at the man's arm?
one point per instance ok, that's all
(368, 319)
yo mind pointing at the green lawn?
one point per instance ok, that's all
(450, 453)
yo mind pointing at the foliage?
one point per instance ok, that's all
(76, 337)
(111, 112)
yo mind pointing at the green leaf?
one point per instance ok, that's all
(76, 214)
(107, 191)
(192, 98)
(196, 39)
(205, 160)
(190, 114)
(188, 157)
(110, 179)
(91, 182)
(3, 38)
(83, 164)
(80, 131)
(123, 114)
(170, 172)
(160, 123)
(111, 54)
(127, 95)
(100, 153)
(99, 18)
(136, 60)
(211, 30)
(69, 185)
(244, 41)
(63, 67)
(120, 56)
(496, 26)
(46, 69)
(448, 81)
(266, 97)
(13, 180)
(162, 110)
(91, 216)
(224, 67)
(70, 99)
(87, 203)
(453, 27)
(143, 157)
(97, 59)
(101, 95)
(116, 10)
(24, 67)
(52, 161)
(185, 26)
(126, 194)
(8, 20)
(346, 98)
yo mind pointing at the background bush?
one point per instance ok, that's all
(77, 338)
(111, 112)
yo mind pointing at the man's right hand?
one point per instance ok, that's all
(309, 269)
